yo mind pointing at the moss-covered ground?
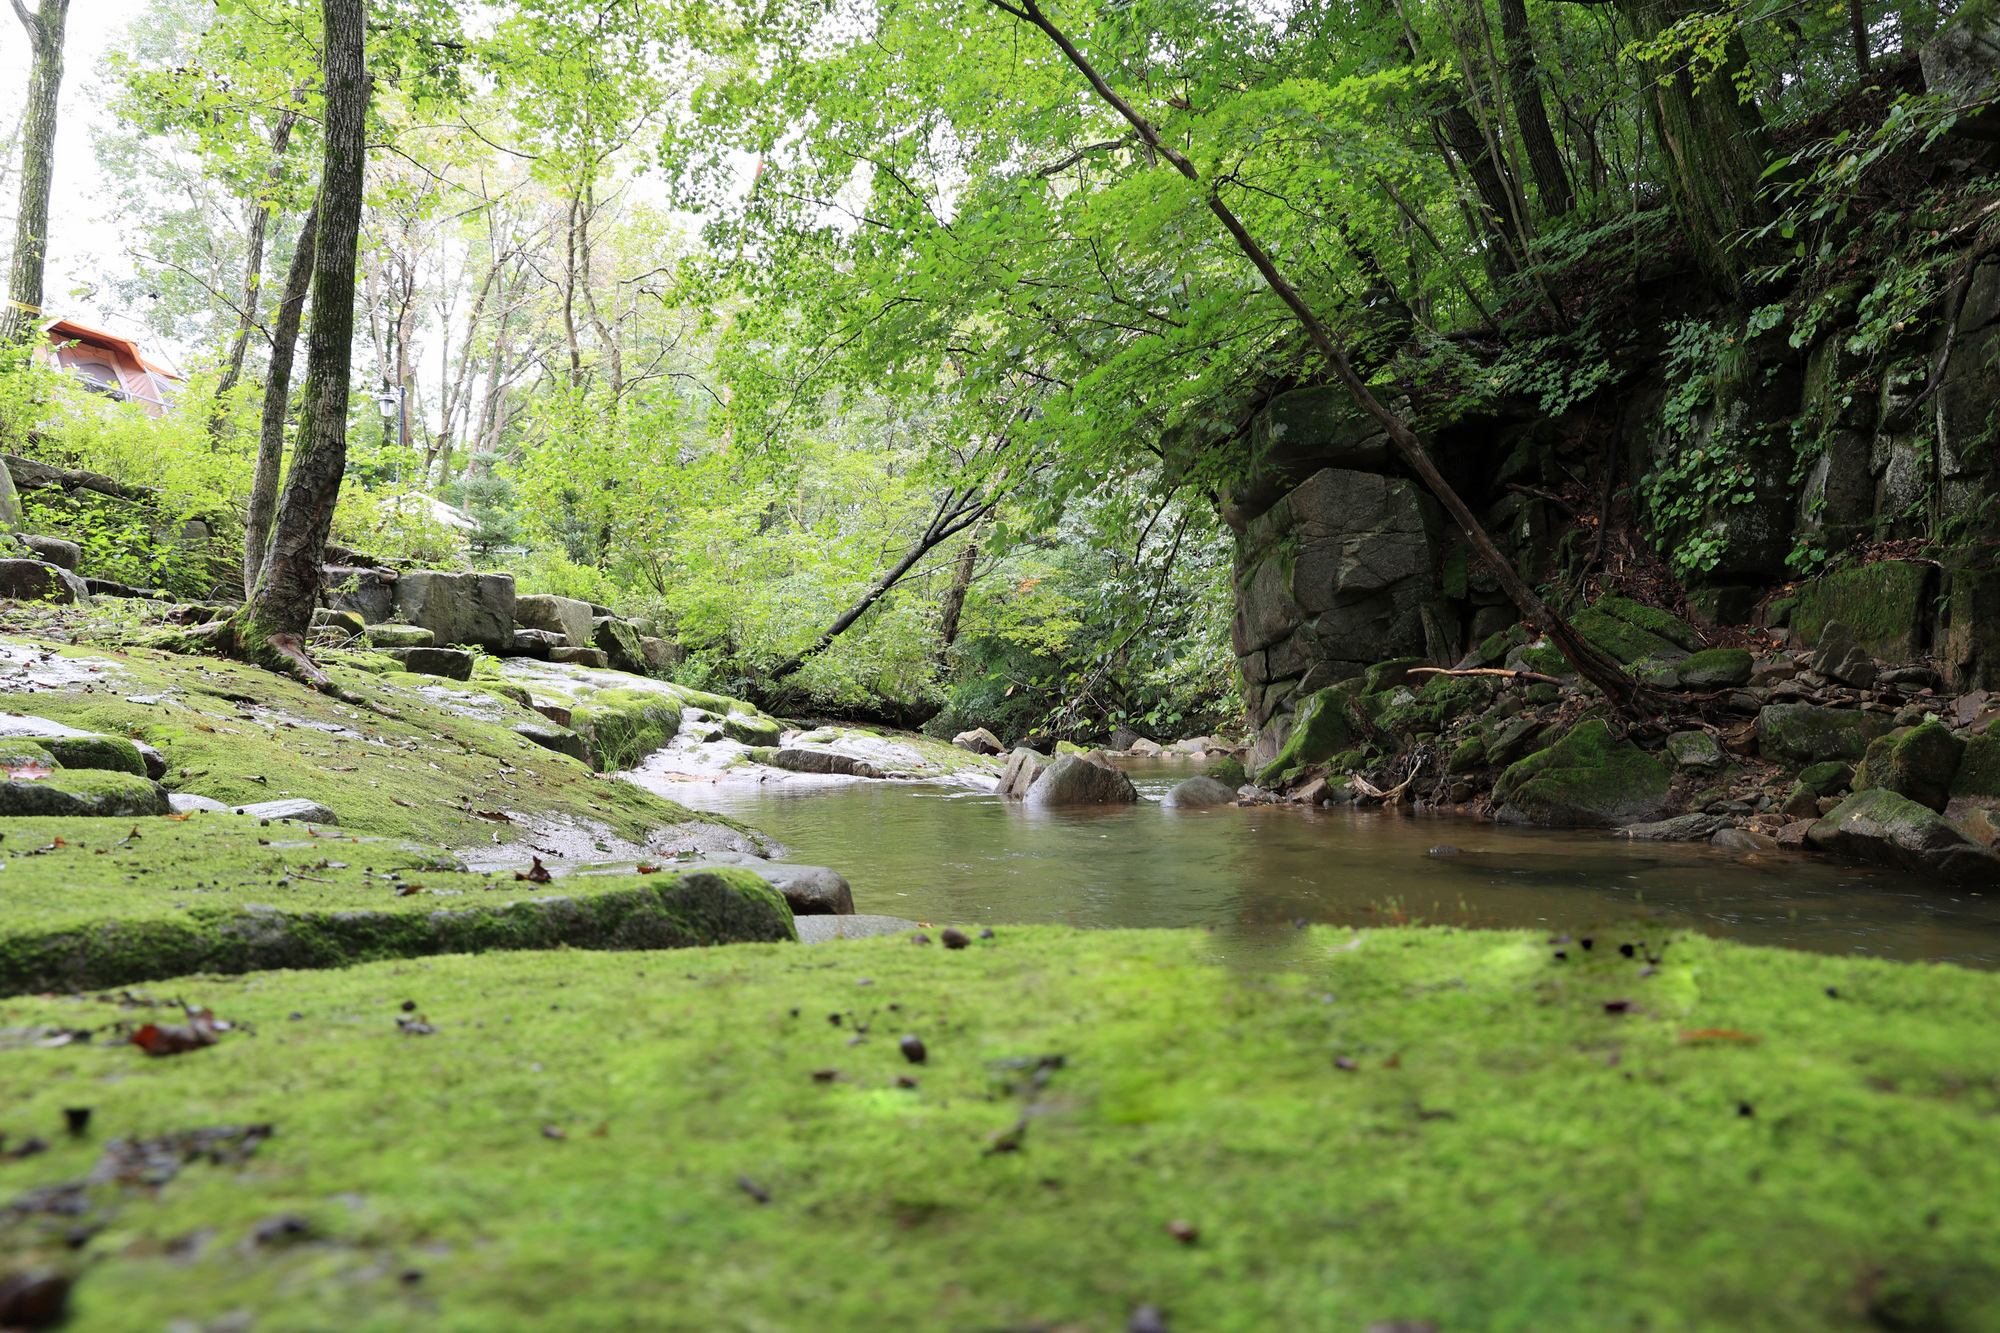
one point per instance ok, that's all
(108, 902)
(241, 735)
(1483, 1130)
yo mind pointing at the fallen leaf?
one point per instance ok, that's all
(535, 874)
(497, 816)
(753, 1189)
(648, 870)
(1717, 1034)
(176, 816)
(408, 805)
(200, 1030)
(1183, 1231)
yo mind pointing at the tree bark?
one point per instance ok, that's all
(1714, 140)
(1857, 21)
(1593, 666)
(38, 154)
(253, 266)
(954, 596)
(1531, 115)
(272, 625)
(277, 396)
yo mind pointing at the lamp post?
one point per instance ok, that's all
(394, 404)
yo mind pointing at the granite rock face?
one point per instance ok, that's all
(555, 615)
(459, 609)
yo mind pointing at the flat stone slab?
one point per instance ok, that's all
(306, 812)
(187, 803)
(821, 929)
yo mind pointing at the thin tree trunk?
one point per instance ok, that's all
(253, 267)
(1594, 666)
(277, 396)
(272, 626)
(1857, 20)
(954, 516)
(954, 597)
(1531, 115)
(38, 161)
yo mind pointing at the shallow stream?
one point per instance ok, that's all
(942, 854)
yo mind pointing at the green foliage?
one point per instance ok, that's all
(1705, 469)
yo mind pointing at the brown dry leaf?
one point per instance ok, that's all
(648, 870)
(200, 1030)
(176, 816)
(535, 874)
(1717, 1034)
(408, 805)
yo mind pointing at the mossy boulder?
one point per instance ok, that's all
(1715, 669)
(1590, 777)
(1320, 728)
(1827, 778)
(1229, 770)
(752, 729)
(623, 726)
(401, 636)
(1810, 734)
(1919, 764)
(1979, 769)
(618, 640)
(1884, 605)
(85, 793)
(1435, 701)
(1633, 632)
(1696, 750)
(1889, 828)
(112, 753)
(1467, 755)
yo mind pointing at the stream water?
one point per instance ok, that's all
(942, 854)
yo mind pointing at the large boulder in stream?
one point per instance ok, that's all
(1920, 764)
(1590, 778)
(1071, 779)
(1882, 826)
(1198, 794)
(1023, 767)
(1810, 734)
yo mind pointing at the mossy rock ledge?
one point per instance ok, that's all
(1589, 778)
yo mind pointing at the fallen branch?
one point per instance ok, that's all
(1367, 788)
(1532, 677)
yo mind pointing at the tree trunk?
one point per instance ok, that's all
(277, 397)
(954, 596)
(1714, 141)
(272, 625)
(1857, 20)
(253, 266)
(1593, 666)
(38, 154)
(1531, 115)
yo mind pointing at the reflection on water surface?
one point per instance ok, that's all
(940, 854)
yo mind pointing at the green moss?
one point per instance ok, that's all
(1469, 754)
(410, 772)
(83, 791)
(107, 902)
(1228, 770)
(1651, 619)
(1885, 605)
(1979, 771)
(622, 727)
(1436, 701)
(1827, 778)
(1547, 659)
(1516, 1176)
(1320, 727)
(114, 753)
(1715, 669)
(1589, 777)
(1621, 639)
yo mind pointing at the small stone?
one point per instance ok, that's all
(953, 938)
(912, 1048)
(1743, 840)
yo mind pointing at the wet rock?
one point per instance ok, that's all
(811, 890)
(1023, 767)
(752, 729)
(448, 663)
(1514, 739)
(302, 811)
(1715, 669)
(1320, 729)
(1885, 827)
(1840, 658)
(1073, 780)
(1980, 825)
(797, 760)
(1978, 769)
(1919, 764)
(1809, 734)
(96, 793)
(1695, 750)
(389, 635)
(55, 551)
(555, 615)
(981, 741)
(1681, 828)
(1198, 794)
(1589, 777)
(618, 640)
(1802, 803)
(1146, 747)
(476, 609)
(551, 737)
(1742, 840)
(36, 581)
